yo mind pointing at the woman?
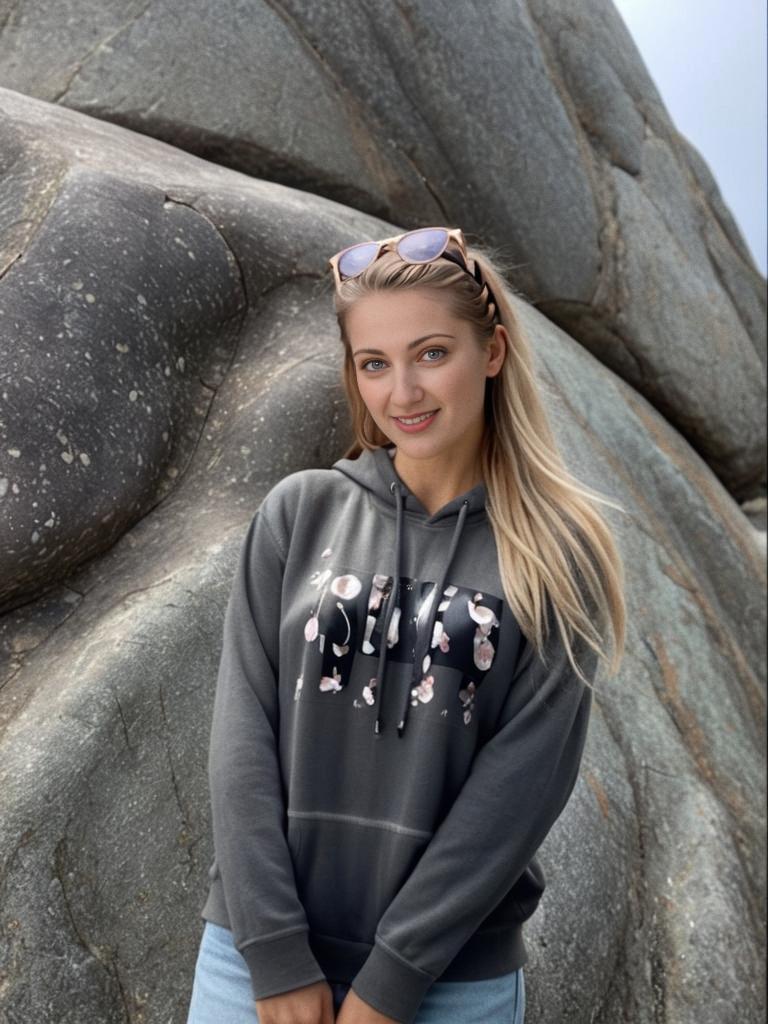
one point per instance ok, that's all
(405, 681)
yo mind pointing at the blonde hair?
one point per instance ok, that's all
(552, 541)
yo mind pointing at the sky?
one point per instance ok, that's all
(707, 58)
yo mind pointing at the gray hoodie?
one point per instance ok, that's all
(377, 804)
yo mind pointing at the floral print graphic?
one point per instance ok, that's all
(424, 691)
(332, 683)
(345, 623)
(368, 696)
(467, 698)
(346, 586)
(486, 620)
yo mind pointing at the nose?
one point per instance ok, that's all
(406, 390)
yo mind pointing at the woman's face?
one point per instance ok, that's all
(412, 358)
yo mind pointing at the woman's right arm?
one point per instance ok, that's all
(267, 919)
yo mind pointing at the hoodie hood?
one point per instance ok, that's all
(374, 469)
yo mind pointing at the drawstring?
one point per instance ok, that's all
(393, 600)
(422, 659)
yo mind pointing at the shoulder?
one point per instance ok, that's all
(306, 490)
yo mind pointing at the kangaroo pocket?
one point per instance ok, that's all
(348, 872)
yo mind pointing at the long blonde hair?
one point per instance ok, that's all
(552, 541)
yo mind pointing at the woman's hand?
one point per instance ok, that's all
(310, 1004)
(355, 1010)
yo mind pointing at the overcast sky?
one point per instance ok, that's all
(708, 61)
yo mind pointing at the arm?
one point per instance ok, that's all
(268, 921)
(518, 785)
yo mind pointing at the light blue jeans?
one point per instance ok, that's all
(222, 994)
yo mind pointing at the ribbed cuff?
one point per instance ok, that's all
(391, 986)
(281, 965)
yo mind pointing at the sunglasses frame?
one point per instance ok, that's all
(455, 235)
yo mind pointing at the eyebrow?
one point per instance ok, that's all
(411, 344)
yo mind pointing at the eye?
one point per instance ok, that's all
(440, 352)
(367, 364)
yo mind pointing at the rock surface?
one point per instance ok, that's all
(657, 865)
(534, 125)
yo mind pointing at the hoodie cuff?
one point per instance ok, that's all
(391, 986)
(281, 965)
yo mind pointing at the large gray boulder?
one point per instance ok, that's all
(656, 867)
(533, 125)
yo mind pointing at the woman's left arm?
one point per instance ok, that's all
(519, 783)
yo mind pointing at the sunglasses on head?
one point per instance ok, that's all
(420, 246)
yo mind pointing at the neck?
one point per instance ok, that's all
(436, 481)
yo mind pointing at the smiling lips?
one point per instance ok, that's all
(415, 419)
(416, 422)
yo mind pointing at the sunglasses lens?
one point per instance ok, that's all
(423, 246)
(356, 259)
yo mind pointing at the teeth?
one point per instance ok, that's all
(415, 419)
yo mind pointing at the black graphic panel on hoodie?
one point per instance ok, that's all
(346, 618)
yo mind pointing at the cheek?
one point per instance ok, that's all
(368, 391)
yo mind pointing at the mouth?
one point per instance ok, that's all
(418, 422)
(410, 420)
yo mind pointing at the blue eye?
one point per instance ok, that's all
(440, 352)
(368, 362)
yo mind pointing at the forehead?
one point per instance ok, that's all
(397, 317)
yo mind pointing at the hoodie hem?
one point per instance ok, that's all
(390, 984)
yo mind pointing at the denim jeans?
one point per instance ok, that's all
(222, 994)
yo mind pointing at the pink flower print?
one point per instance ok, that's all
(311, 629)
(368, 695)
(483, 616)
(376, 595)
(440, 638)
(467, 698)
(331, 682)
(393, 633)
(319, 579)
(346, 586)
(486, 620)
(368, 647)
(424, 692)
(483, 650)
(299, 684)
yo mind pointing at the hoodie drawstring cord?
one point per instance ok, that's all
(392, 602)
(419, 669)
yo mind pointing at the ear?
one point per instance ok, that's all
(497, 350)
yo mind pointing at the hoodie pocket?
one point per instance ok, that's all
(347, 874)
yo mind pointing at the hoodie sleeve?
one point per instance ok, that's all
(519, 782)
(268, 921)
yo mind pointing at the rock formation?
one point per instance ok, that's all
(169, 351)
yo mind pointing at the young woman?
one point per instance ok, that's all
(405, 681)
